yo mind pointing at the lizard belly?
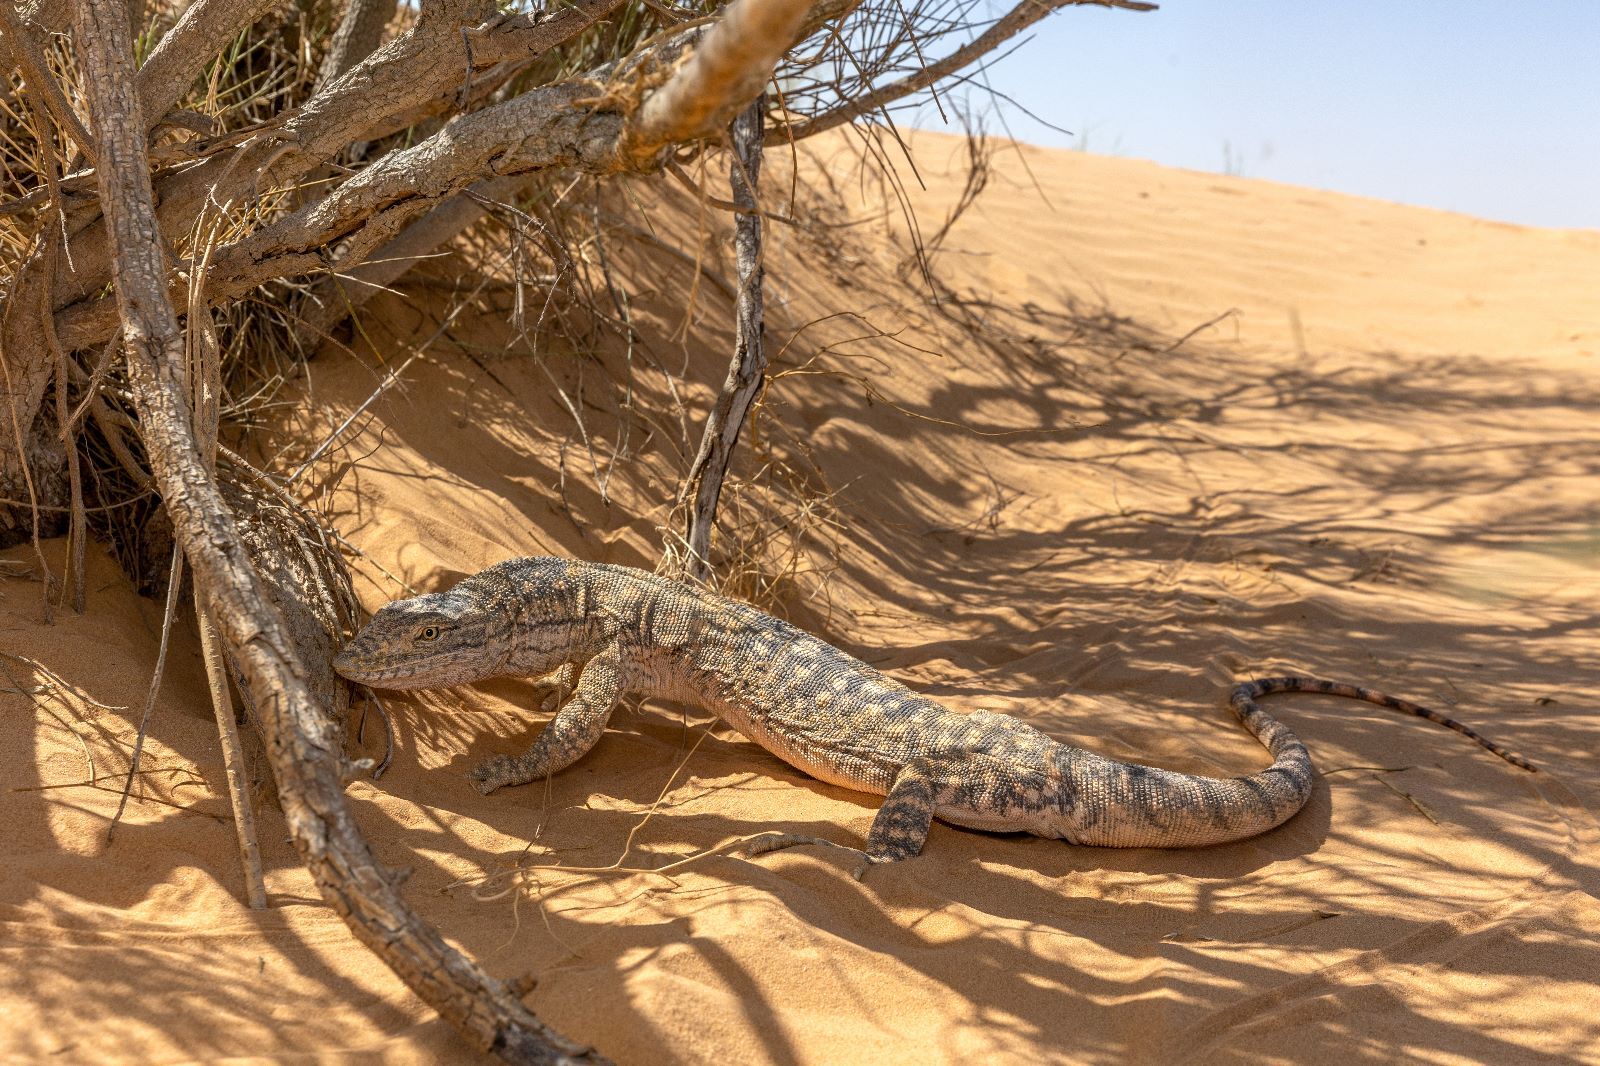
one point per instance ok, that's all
(665, 678)
(822, 762)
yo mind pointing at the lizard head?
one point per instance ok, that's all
(432, 641)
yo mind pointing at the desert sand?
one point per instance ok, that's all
(1161, 431)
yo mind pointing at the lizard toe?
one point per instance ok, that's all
(865, 863)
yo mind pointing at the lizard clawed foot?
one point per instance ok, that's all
(492, 773)
(777, 841)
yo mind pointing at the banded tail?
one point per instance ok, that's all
(1244, 696)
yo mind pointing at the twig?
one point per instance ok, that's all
(1019, 18)
(384, 386)
(174, 579)
(747, 371)
(627, 846)
(388, 731)
(1409, 798)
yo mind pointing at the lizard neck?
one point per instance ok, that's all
(565, 625)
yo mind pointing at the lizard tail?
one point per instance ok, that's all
(1250, 713)
(1125, 805)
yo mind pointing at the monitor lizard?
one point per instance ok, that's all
(602, 631)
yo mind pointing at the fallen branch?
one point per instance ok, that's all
(303, 746)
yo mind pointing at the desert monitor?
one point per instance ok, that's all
(615, 630)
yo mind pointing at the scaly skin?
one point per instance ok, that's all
(615, 630)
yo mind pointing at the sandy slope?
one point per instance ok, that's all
(1382, 468)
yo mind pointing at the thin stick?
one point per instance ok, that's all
(747, 371)
(1019, 18)
(78, 529)
(244, 819)
(389, 380)
(205, 387)
(174, 579)
(388, 730)
(627, 846)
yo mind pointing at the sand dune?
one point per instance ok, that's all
(1381, 467)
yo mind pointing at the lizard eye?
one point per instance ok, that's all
(428, 634)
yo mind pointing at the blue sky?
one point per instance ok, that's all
(1492, 109)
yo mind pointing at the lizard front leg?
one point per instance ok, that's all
(560, 682)
(571, 733)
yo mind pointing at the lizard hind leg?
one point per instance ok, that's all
(576, 728)
(902, 824)
(898, 831)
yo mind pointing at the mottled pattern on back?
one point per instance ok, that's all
(606, 631)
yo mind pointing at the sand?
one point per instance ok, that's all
(1380, 464)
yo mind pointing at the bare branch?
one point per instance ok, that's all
(552, 126)
(1016, 20)
(725, 72)
(413, 75)
(414, 68)
(747, 371)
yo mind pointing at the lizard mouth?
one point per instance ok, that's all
(353, 669)
(351, 665)
(395, 678)
(400, 673)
